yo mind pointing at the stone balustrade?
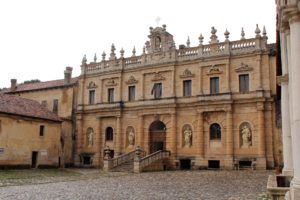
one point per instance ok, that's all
(183, 54)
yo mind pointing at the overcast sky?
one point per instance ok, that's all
(39, 38)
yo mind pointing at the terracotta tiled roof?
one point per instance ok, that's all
(43, 85)
(16, 105)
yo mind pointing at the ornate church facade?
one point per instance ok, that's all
(211, 105)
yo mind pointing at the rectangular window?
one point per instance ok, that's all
(244, 83)
(157, 90)
(55, 105)
(92, 97)
(42, 130)
(187, 88)
(44, 103)
(131, 93)
(110, 97)
(214, 85)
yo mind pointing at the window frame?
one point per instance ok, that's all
(187, 88)
(55, 106)
(214, 85)
(110, 95)
(42, 131)
(215, 135)
(92, 95)
(157, 90)
(244, 83)
(131, 93)
(109, 134)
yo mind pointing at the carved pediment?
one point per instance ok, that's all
(243, 68)
(214, 69)
(158, 77)
(131, 80)
(111, 82)
(187, 74)
(92, 85)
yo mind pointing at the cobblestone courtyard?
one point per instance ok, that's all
(90, 184)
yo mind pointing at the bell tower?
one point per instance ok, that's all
(160, 40)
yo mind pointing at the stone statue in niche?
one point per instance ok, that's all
(246, 136)
(90, 136)
(131, 138)
(187, 133)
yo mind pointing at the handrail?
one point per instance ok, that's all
(146, 161)
(123, 158)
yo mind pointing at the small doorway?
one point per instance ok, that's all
(34, 159)
(185, 164)
(157, 133)
(214, 164)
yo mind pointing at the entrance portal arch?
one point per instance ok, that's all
(157, 133)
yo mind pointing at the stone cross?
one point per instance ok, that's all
(157, 20)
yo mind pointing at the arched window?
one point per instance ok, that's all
(215, 131)
(109, 134)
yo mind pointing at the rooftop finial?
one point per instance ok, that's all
(122, 53)
(201, 39)
(144, 50)
(157, 20)
(242, 34)
(257, 31)
(264, 32)
(112, 54)
(133, 51)
(95, 57)
(188, 42)
(213, 37)
(103, 55)
(226, 35)
(84, 60)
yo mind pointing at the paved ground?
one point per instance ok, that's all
(90, 184)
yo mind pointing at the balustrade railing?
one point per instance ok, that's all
(122, 159)
(158, 155)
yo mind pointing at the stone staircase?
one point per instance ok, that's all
(124, 167)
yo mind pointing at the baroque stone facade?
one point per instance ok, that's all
(211, 104)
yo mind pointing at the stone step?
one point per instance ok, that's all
(125, 167)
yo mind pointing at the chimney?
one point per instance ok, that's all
(68, 75)
(13, 84)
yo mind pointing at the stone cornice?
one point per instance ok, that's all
(282, 79)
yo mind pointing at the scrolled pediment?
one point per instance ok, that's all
(131, 80)
(243, 68)
(111, 82)
(214, 69)
(158, 77)
(187, 74)
(92, 85)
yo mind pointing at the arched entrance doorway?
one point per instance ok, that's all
(157, 132)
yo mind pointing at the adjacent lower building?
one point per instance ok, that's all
(29, 134)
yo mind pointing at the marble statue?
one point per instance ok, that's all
(246, 136)
(131, 137)
(187, 137)
(90, 137)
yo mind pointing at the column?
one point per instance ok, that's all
(200, 81)
(228, 77)
(261, 136)
(98, 143)
(229, 136)
(173, 135)
(140, 136)
(259, 73)
(200, 135)
(285, 113)
(295, 107)
(118, 136)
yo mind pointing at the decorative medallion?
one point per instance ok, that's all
(131, 80)
(214, 69)
(92, 85)
(111, 82)
(158, 77)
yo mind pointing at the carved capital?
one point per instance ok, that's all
(260, 106)
(282, 79)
